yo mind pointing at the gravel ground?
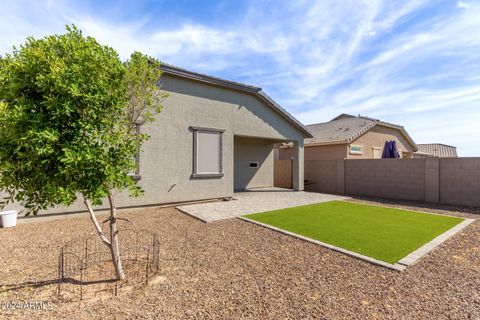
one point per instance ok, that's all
(233, 269)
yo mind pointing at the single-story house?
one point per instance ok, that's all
(352, 137)
(213, 136)
(435, 150)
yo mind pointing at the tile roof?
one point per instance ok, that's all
(438, 150)
(346, 128)
(349, 116)
(338, 131)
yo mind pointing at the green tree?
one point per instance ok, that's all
(68, 108)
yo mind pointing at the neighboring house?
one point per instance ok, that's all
(213, 136)
(352, 137)
(437, 150)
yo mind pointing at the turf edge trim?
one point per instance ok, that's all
(414, 256)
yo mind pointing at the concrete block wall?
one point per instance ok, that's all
(432, 180)
(460, 181)
(321, 176)
(386, 178)
(454, 181)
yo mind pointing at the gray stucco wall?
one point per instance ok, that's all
(166, 160)
(253, 150)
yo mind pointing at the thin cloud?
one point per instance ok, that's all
(409, 62)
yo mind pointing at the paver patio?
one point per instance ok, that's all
(253, 201)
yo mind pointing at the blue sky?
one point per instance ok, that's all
(410, 62)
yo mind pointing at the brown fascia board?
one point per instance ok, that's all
(288, 145)
(256, 91)
(326, 143)
(422, 153)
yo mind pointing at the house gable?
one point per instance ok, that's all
(232, 86)
(375, 138)
(241, 113)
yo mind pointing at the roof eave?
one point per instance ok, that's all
(208, 79)
(263, 96)
(326, 143)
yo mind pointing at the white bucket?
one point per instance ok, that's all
(9, 218)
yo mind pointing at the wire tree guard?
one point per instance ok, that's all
(85, 265)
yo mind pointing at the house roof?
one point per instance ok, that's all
(438, 150)
(256, 91)
(346, 128)
(350, 116)
(338, 131)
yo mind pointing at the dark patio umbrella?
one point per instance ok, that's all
(390, 150)
(394, 150)
(386, 150)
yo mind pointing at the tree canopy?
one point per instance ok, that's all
(67, 107)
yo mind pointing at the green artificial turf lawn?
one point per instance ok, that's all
(385, 234)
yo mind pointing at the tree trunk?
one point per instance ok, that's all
(114, 245)
(97, 225)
